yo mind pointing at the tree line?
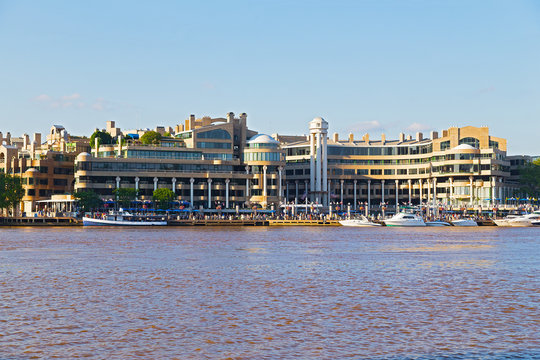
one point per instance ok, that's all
(11, 192)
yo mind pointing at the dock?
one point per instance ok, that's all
(304, 223)
(219, 222)
(40, 221)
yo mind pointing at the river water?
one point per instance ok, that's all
(270, 293)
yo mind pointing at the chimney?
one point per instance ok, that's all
(37, 139)
(8, 138)
(336, 137)
(366, 138)
(401, 137)
(351, 137)
(26, 141)
(383, 139)
(1, 138)
(434, 135)
(33, 150)
(409, 137)
(230, 117)
(243, 117)
(419, 136)
(96, 144)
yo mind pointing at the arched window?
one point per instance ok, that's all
(214, 134)
(474, 142)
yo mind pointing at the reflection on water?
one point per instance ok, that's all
(270, 293)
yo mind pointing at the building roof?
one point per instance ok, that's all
(262, 139)
(464, 147)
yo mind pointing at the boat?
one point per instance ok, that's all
(122, 218)
(405, 219)
(360, 221)
(504, 221)
(525, 220)
(438, 223)
(464, 222)
(535, 223)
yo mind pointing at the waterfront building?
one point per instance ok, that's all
(46, 168)
(464, 166)
(208, 162)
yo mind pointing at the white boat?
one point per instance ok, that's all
(360, 221)
(438, 223)
(536, 223)
(504, 221)
(405, 219)
(122, 218)
(464, 222)
(525, 220)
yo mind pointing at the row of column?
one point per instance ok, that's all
(431, 185)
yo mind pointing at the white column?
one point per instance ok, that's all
(318, 177)
(312, 161)
(354, 191)
(382, 190)
(493, 183)
(191, 181)
(227, 181)
(247, 184)
(434, 192)
(280, 197)
(341, 191)
(409, 182)
(428, 191)
(397, 196)
(209, 181)
(118, 182)
(174, 185)
(369, 195)
(155, 183)
(265, 194)
(307, 197)
(137, 186)
(451, 190)
(421, 191)
(500, 191)
(471, 189)
(325, 170)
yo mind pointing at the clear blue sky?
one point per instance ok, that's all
(365, 66)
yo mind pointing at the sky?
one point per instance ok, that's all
(365, 66)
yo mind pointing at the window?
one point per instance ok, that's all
(376, 172)
(474, 142)
(362, 171)
(214, 134)
(493, 144)
(213, 145)
(445, 145)
(388, 171)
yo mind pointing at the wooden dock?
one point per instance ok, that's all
(205, 222)
(39, 221)
(304, 223)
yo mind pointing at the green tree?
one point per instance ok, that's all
(164, 197)
(151, 138)
(11, 191)
(88, 200)
(125, 196)
(104, 138)
(529, 178)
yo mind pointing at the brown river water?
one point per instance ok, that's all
(270, 293)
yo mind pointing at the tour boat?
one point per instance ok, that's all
(535, 223)
(122, 218)
(405, 219)
(438, 223)
(464, 222)
(361, 221)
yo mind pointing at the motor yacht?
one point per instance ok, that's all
(505, 221)
(405, 219)
(122, 218)
(525, 220)
(464, 222)
(438, 223)
(360, 221)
